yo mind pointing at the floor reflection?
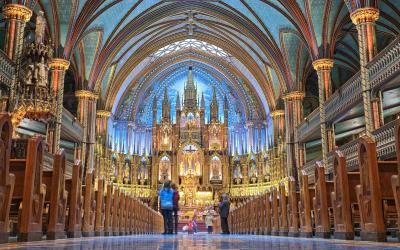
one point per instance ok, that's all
(198, 242)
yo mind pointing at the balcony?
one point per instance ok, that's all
(385, 149)
(383, 70)
(7, 69)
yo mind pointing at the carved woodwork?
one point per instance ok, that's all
(268, 212)
(58, 198)
(306, 195)
(283, 219)
(100, 209)
(373, 190)
(275, 212)
(321, 201)
(7, 179)
(89, 207)
(108, 211)
(396, 178)
(122, 213)
(75, 202)
(115, 212)
(344, 185)
(293, 214)
(27, 165)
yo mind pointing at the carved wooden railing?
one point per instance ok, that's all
(385, 65)
(385, 149)
(306, 128)
(7, 69)
(381, 69)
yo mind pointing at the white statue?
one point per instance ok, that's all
(40, 28)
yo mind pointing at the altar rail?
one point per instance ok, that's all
(385, 149)
(381, 69)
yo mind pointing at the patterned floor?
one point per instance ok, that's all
(199, 242)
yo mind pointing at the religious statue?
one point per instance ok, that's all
(42, 73)
(40, 28)
(29, 74)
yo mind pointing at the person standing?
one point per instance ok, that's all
(209, 219)
(224, 207)
(175, 209)
(166, 205)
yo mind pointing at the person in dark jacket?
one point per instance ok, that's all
(166, 206)
(175, 208)
(224, 207)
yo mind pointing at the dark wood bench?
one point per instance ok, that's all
(26, 164)
(283, 218)
(7, 179)
(56, 196)
(275, 212)
(292, 208)
(75, 201)
(343, 196)
(108, 211)
(89, 207)
(321, 202)
(100, 208)
(374, 190)
(306, 195)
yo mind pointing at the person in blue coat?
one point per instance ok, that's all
(166, 206)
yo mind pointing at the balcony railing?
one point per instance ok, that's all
(385, 149)
(381, 69)
(7, 69)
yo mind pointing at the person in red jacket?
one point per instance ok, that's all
(175, 209)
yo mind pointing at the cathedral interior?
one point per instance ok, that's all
(290, 107)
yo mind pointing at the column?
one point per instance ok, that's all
(87, 116)
(58, 68)
(102, 117)
(293, 117)
(364, 19)
(323, 67)
(16, 17)
(278, 121)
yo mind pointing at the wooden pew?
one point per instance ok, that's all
(275, 212)
(100, 208)
(130, 215)
(373, 190)
(260, 215)
(306, 195)
(321, 202)
(343, 196)
(115, 212)
(396, 178)
(89, 207)
(75, 202)
(283, 219)
(268, 213)
(122, 213)
(293, 213)
(108, 211)
(26, 164)
(58, 196)
(7, 179)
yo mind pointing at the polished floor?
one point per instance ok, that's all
(199, 242)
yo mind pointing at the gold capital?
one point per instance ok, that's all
(59, 64)
(103, 113)
(17, 11)
(278, 112)
(364, 15)
(86, 94)
(293, 95)
(323, 64)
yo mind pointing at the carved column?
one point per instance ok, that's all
(86, 116)
(278, 165)
(16, 17)
(323, 68)
(58, 67)
(102, 117)
(364, 19)
(293, 117)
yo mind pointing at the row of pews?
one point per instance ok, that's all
(363, 203)
(35, 203)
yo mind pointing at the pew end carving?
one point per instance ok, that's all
(75, 202)
(292, 208)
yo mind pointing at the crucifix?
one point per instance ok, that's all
(191, 23)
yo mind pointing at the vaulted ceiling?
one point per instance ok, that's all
(268, 45)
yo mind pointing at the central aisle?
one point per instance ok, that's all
(198, 242)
